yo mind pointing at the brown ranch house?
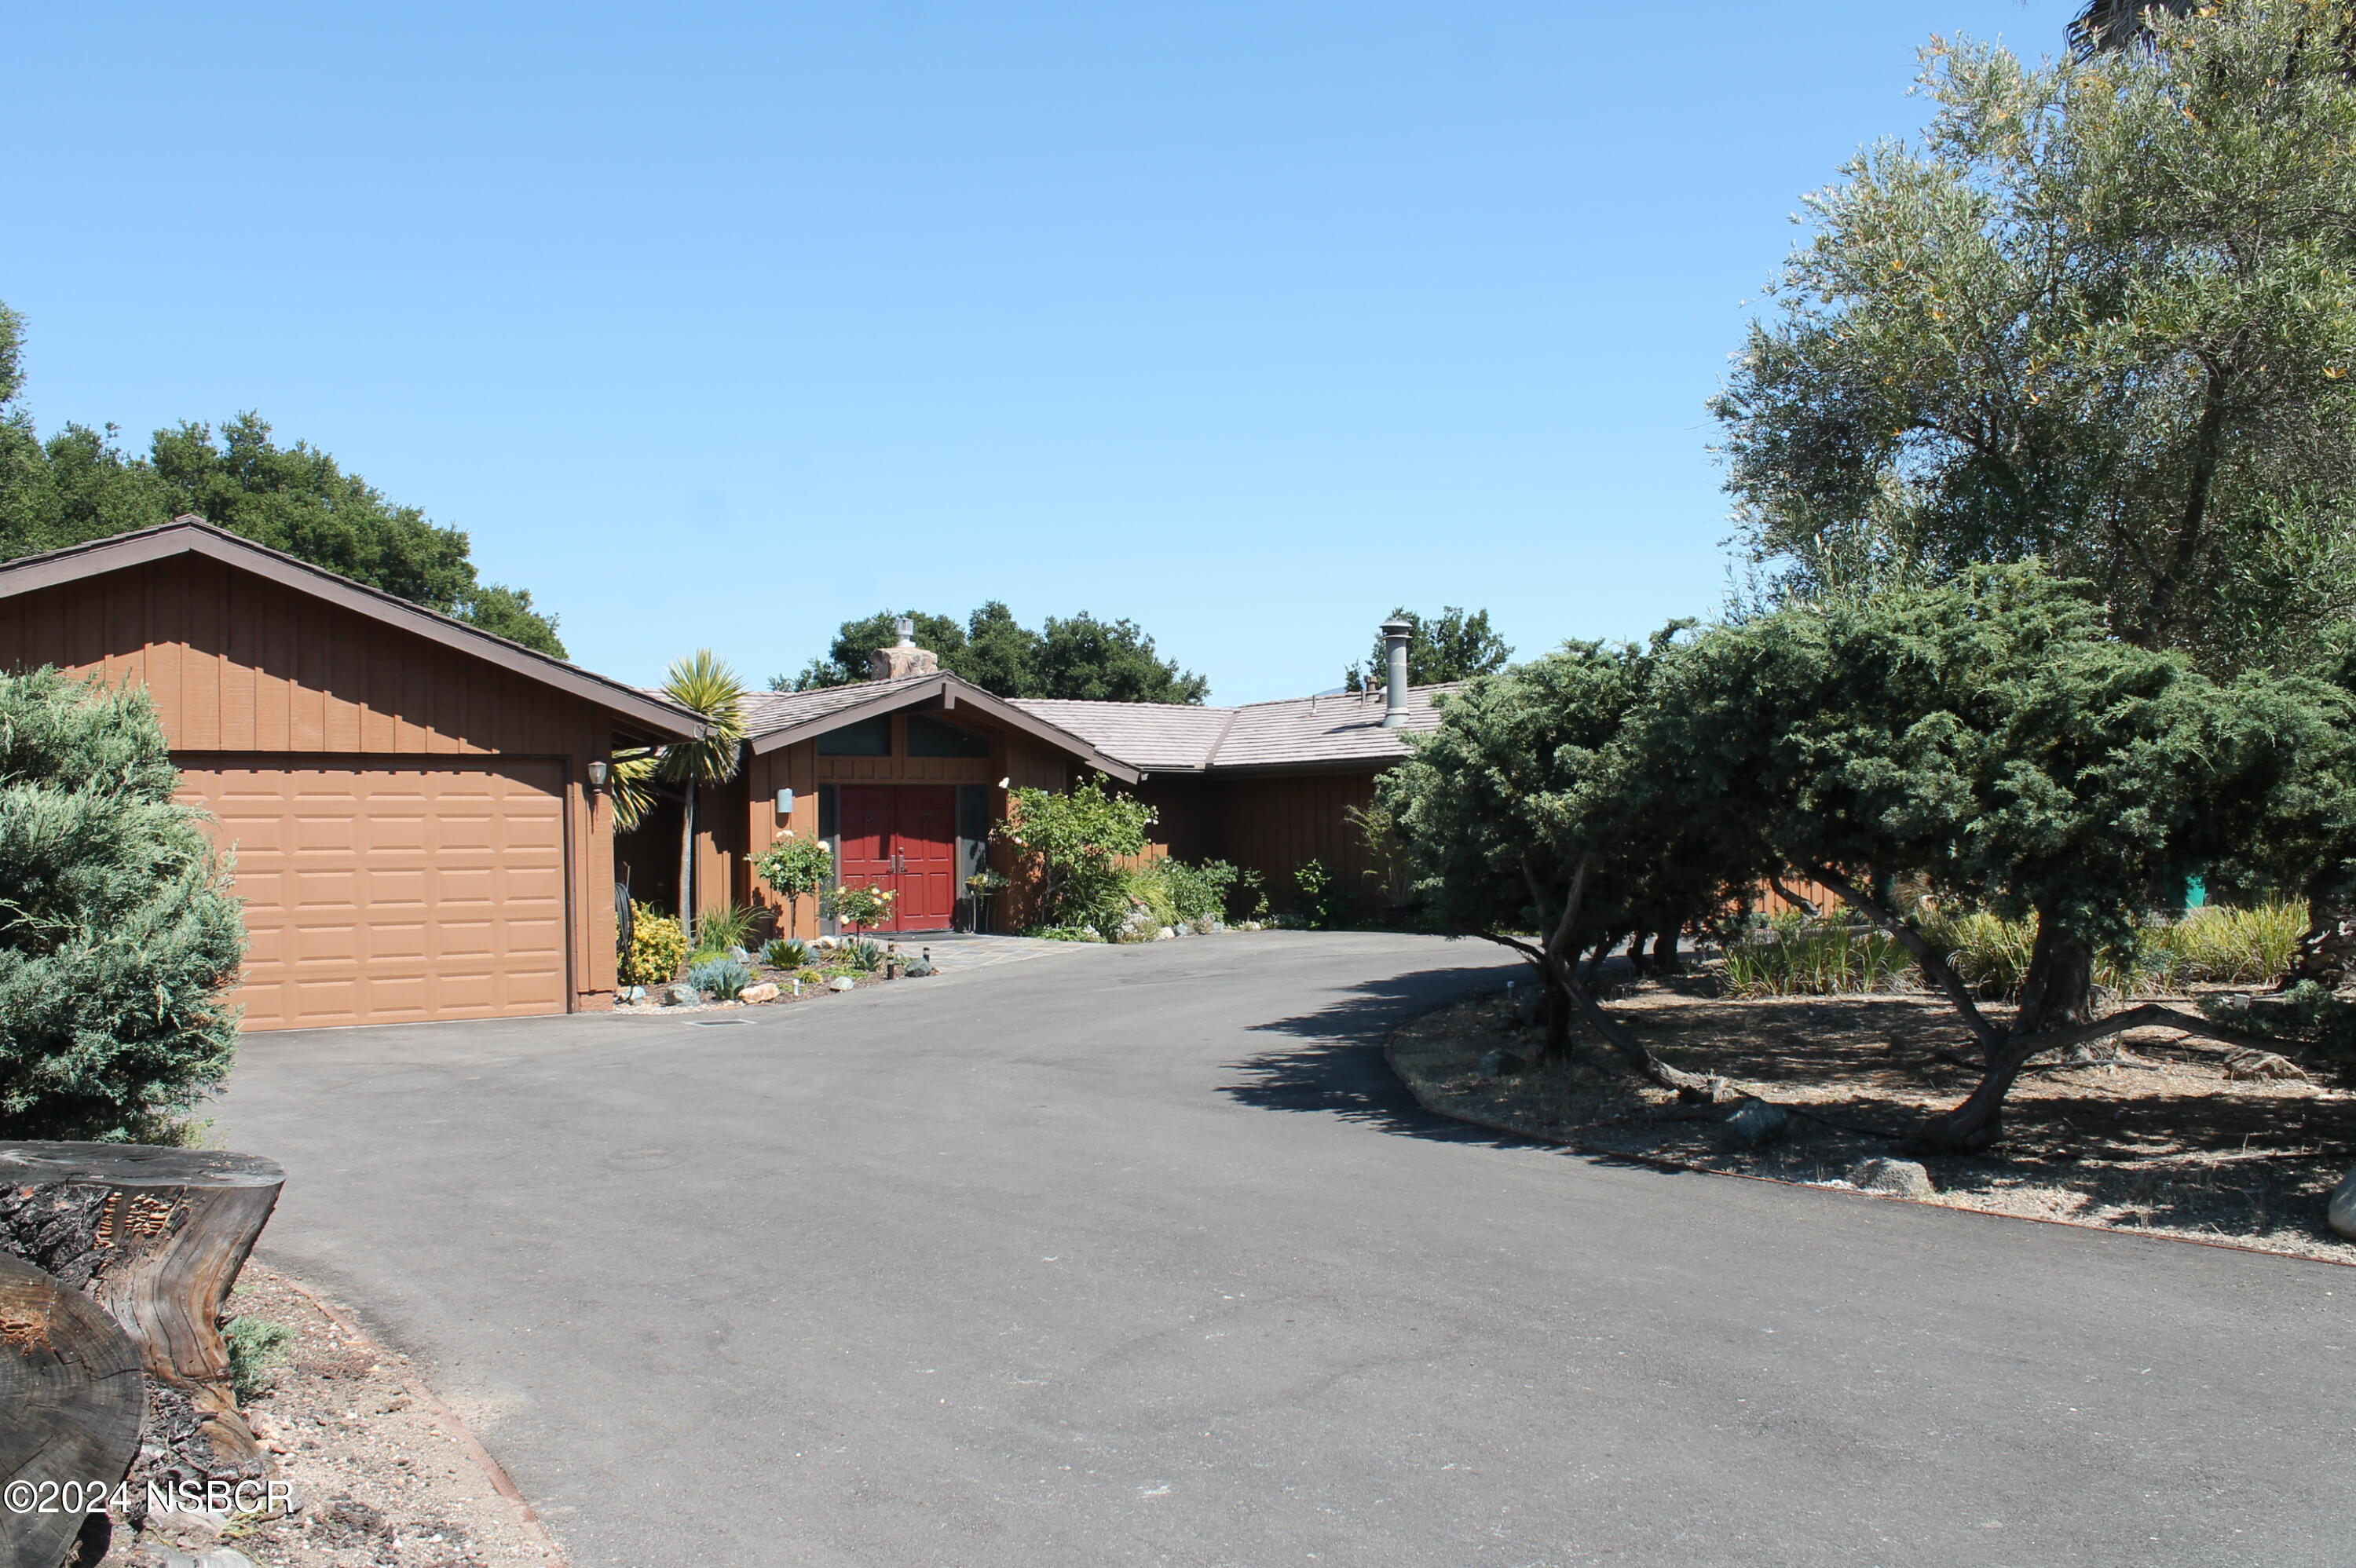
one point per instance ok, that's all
(417, 807)
(903, 774)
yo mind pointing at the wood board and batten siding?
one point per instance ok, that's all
(802, 766)
(412, 824)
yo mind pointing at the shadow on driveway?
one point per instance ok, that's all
(1337, 1067)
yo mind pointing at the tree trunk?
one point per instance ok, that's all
(2058, 989)
(2056, 995)
(156, 1236)
(1665, 952)
(70, 1399)
(2327, 953)
(1978, 1122)
(687, 865)
(1557, 1002)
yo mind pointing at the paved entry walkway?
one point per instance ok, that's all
(955, 950)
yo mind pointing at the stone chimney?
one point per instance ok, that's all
(903, 658)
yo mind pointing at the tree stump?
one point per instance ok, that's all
(156, 1236)
(70, 1400)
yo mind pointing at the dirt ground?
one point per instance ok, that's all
(2158, 1139)
(380, 1477)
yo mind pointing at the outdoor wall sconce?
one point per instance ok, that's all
(599, 771)
(785, 803)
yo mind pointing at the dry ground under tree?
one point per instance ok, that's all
(2158, 1139)
(381, 1479)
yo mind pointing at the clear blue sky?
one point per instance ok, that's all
(717, 324)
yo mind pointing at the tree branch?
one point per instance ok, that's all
(2151, 1015)
(1941, 972)
(1534, 954)
(1788, 896)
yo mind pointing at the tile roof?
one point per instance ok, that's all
(768, 710)
(1169, 737)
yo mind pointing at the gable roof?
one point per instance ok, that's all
(1161, 737)
(1171, 737)
(194, 535)
(776, 718)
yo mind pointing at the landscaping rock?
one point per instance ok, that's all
(2247, 1062)
(842, 983)
(740, 954)
(766, 991)
(1500, 1064)
(2341, 1215)
(1165, 934)
(1898, 1177)
(1755, 1123)
(634, 993)
(825, 945)
(680, 995)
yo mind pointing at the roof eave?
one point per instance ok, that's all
(962, 693)
(186, 536)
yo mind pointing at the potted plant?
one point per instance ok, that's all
(979, 889)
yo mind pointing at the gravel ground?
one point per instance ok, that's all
(382, 1474)
(2158, 1139)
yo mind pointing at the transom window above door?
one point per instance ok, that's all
(868, 738)
(931, 737)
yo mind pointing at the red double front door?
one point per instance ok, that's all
(903, 837)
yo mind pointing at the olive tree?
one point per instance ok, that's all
(118, 934)
(2102, 315)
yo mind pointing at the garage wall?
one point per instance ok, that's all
(238, 664)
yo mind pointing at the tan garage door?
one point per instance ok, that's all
(394, 892)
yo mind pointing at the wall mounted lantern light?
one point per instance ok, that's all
(600, 771)
(785, 803)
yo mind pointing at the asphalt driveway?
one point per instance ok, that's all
(1138, 1256)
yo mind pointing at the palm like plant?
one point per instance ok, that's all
(631, 786)
(705, 686)
(2106, 25)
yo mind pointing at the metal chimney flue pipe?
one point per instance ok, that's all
(1395, 637)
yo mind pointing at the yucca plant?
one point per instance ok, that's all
(630, 786)
(705, 686)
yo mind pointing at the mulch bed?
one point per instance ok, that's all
(2157, 1140)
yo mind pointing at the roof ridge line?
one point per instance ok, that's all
(1211, 756)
